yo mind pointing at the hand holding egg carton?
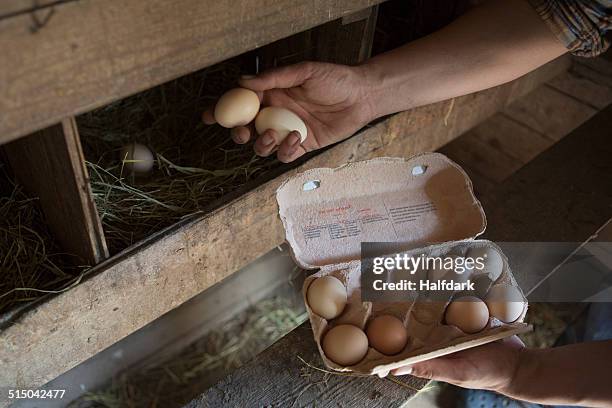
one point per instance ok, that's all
(358, 203)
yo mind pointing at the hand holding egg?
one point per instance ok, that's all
(240, 106)
(328, 98)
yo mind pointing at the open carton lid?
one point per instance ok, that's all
(327, 213)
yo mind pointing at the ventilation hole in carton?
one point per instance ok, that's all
(311, 185)
(418, 170)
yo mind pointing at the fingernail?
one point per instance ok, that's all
(294, 138)
(382, 374)
(247, 76)
(402, 371)
(267, 140)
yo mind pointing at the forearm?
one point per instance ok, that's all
(576, 374)
(492, 44)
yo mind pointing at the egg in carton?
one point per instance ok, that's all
(328, 213)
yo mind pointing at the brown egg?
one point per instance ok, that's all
(345, 344)
(236, 107)
(387, 334)
(326, 297)
(468, 313)
(505, 302)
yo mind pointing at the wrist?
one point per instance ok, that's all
(371, 92)
(525, 367)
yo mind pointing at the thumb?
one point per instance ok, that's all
(440, 368)
(283, 77)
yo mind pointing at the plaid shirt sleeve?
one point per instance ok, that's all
(579, 24)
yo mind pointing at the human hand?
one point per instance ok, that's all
(331, 99)
(488, 367)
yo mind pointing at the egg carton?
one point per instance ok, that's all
(327, 214)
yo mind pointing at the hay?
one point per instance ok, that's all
(177, 379)
(30, 261)
(195, 164)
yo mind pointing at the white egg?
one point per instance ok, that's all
(137, 158)
(468, 313)
(505, 302)
(282, 120)
(236, 107)
(493, 262)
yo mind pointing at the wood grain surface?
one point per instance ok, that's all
(283, 376)
(50, 165)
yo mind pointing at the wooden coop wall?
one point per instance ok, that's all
(49, 162)
(70, 73)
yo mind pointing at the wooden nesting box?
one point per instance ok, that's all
(62, 59)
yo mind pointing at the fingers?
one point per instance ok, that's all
(402, 370)
(290, 149)
(283, 77)
(435, 369)
(513, 342)
(208, 117)
(241, 134)
(266, 143)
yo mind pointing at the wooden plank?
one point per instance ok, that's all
(343, 41)
(136, 287)
(562, 196)
(515, 139)
(550, 112)
(278, 378)
(93, 52)
(494, 150)
(489, 162)
(11, 8)
(585, 85)
(347, 41)
(51, 166)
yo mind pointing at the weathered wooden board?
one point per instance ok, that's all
(562, 196)
(586, 85)
(513, 138)
(550, 112)
(136, 287)
(480, 156)
(51, 166)
(278, 377)
(11, 8)
(92, 52)
(495, 149)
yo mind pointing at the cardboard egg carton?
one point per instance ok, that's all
(410, 203)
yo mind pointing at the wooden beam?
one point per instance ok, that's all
(536, 194)
(51, 166)
(92, 52)
(132, 289)
(281, 377)
(12, 8)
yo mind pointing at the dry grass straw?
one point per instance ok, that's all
(178, 379)
(195, 164)
(318, 376)
(30, 262)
